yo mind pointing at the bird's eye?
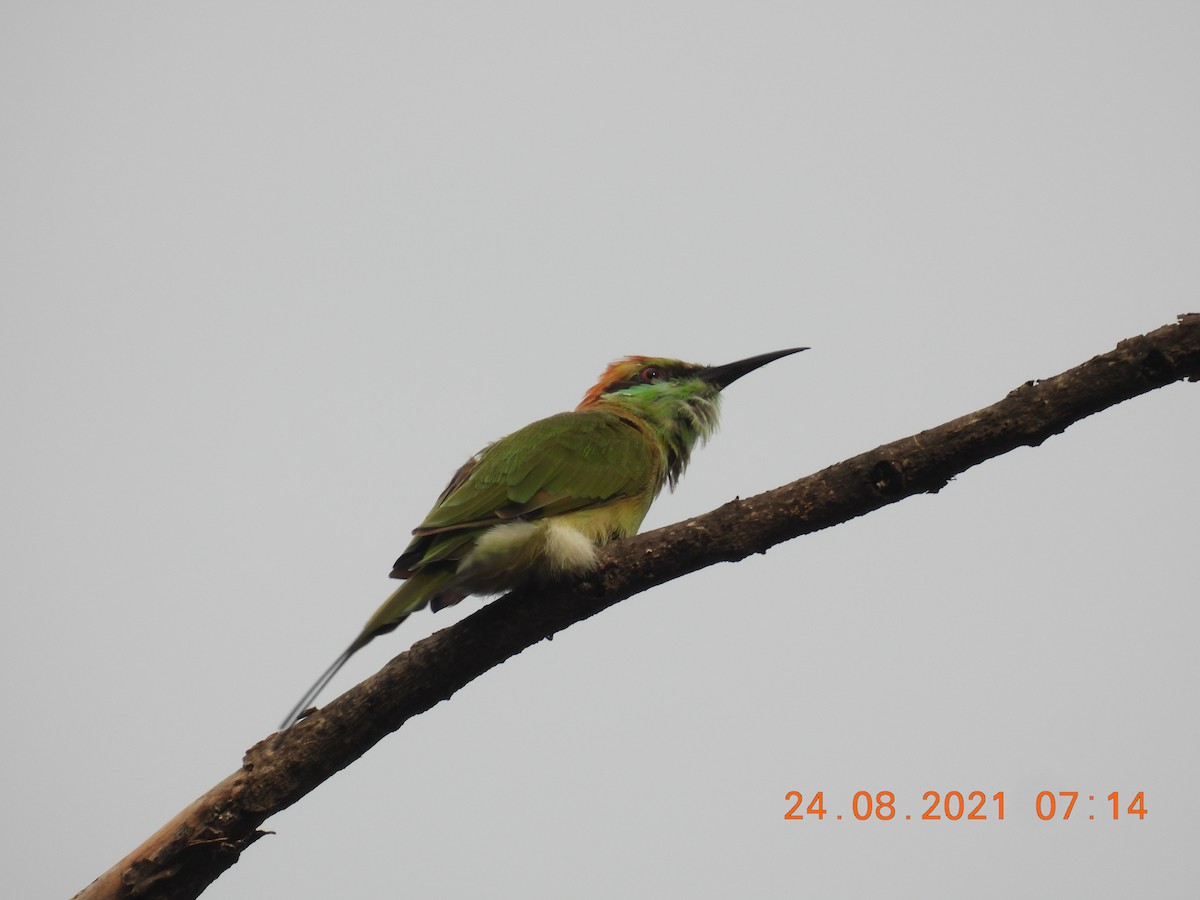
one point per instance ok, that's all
(650, 375)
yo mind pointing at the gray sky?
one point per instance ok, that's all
(271, 272)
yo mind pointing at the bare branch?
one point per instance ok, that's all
(195, 847)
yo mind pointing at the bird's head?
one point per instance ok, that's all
(649, 380)
(678, 401)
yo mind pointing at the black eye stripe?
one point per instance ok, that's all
(647, 375)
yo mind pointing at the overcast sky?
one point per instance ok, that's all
(272, 271)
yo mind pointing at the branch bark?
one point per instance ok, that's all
(194, 848)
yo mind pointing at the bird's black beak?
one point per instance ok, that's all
(724, 376)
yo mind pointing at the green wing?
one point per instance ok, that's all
(568, 462)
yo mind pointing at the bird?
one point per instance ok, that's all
(533, 506)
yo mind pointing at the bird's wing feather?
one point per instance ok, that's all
(567, 462)
(577, 457)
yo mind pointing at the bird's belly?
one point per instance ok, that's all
(514, 553)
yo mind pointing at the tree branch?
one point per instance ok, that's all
(200, 843)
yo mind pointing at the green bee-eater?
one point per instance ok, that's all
(533, 506)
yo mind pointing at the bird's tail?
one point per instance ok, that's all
(411, 596)
(425, 585)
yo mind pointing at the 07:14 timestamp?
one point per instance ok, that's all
(974, 806)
